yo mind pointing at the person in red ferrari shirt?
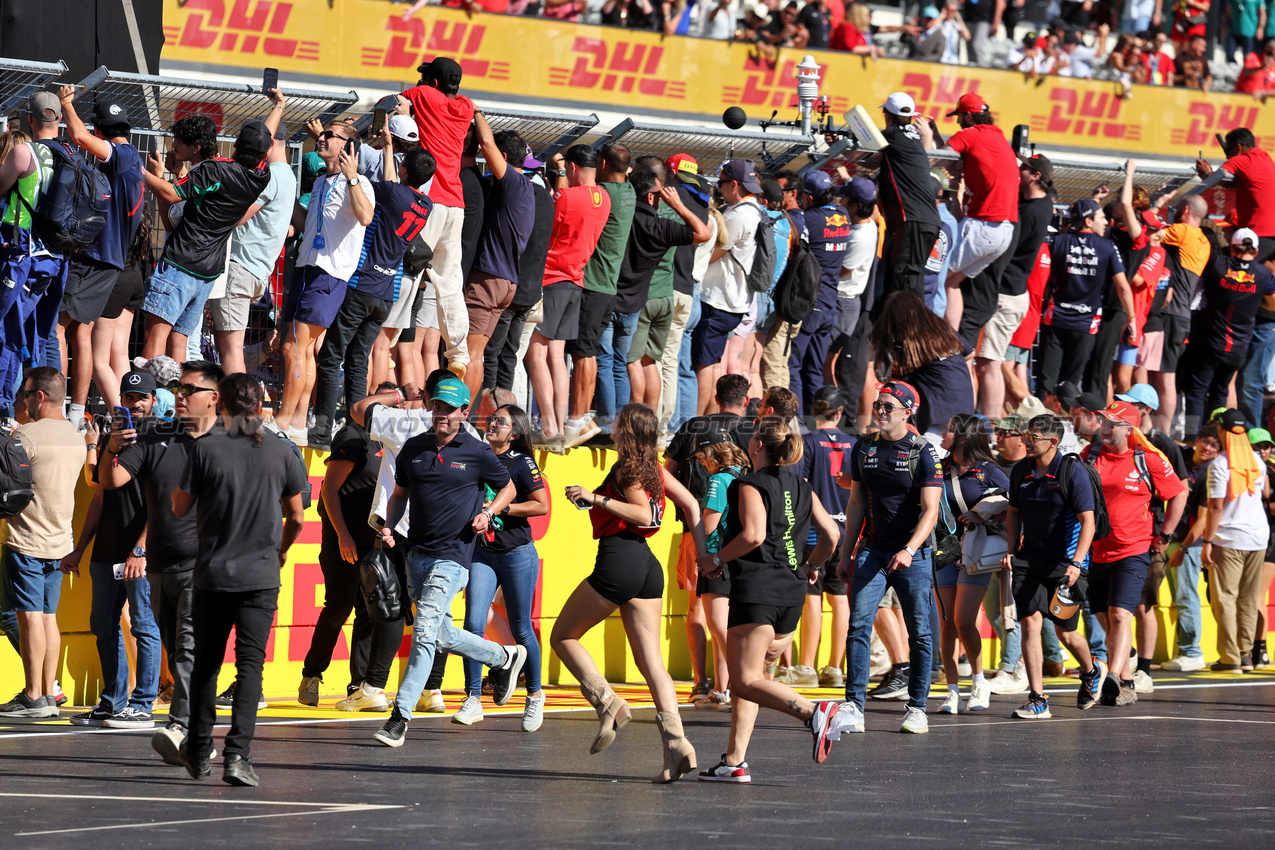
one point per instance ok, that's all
(1133, 473)
(1253, 174)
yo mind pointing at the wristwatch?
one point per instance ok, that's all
(717, 562)
(910, 551)
(490, 513)
(353, 181)
(139, 552)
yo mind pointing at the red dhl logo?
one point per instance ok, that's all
(249, 27)
(1090, 114)
(1208, 118)
(621, 67)
(410, 45)
(765, 85)
(936, 97)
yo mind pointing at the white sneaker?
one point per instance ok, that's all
(1184, 664)
(1142, 683)
(471, 711)
(580, 432)
(848, 719)
(980, 696)
(533, 714)
(963, 668)
(364, 699)
(799, 676)
(308, 692)
(1009, 683)
(832, 677)
(951, 704)
(431, 702)
(299, 436)
(915, 721)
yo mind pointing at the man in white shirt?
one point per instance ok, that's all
(1077, 59)
(724, 296)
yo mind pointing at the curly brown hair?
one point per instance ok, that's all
(721, 456)
(634, 432)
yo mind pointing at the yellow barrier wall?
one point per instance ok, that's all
(365, 44)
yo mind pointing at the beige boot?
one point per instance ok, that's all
(679, 755)
(613, 712)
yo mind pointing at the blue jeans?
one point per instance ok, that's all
(1255, 374)
(1094, 633)
(1011, 642)
(434, 583)
(613, 372)
(1186, 598)
(913, 586)
(687, 384)
(516, 572)
(109, 596)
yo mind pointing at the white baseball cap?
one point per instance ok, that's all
(1243, 235)
(404, 127)
(900, 104)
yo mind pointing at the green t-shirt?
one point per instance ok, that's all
(715, 500)
(603, 270)
(1244, 17)
(31, 188)
(662, 279)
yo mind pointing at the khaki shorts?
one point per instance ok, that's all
(653, 326)
(486, 297)
(400, 317)
(243, 289)
(427, 312)
(1010, 312)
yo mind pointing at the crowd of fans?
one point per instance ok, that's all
(825, 360)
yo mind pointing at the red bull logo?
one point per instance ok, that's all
(836, 220)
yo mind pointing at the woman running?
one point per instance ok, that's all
(508, 559)
(627, 509)
(970, 466)
(769, 517)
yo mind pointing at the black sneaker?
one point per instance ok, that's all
(893, 686)
(24, 706)
(1260, 659)
(227, 698)
(504, 680)
(1090, 685)
(239, 771)
(198, 768)
(1246, 663)
(96, 716)
(131, 718)
(394, 731)
(723, 772)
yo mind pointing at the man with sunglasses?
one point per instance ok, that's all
(155, 461)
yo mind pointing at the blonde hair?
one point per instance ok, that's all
(783, 445)
(861, 17)
(9, 141)
(721, 456)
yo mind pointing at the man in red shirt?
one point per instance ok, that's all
(1253, 174)
(580, 212)
(1133, 473)
(443, 116)
(991, 209)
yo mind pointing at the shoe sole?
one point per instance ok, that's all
(314, 704)
(31, 713)
(944, 709)
(982, 707)
(924, 731)
(388, 741)
(1042, 716)
(456, 718)
(129, 724)
(385, 706)
(168, 751)
(735, 780)
(822, 744)
(515, 667)
(892, 694)
(240, 780)
(76, 721)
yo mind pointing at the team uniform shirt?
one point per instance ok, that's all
(1233, 290)
(1187, 252)
(579, 215)
(1254, 190)
(259, 240)
(650, 238)
(828, 234)
(442, 123)
(726, 281)
(991, 172)
(603, 269)
(607, 524)
(217, 192)
(1033, 226)
(1244, 526)
(158, 460)
(716, 499)
(400, 216)
(946, 389)
(508, 217)
(891, 494)
(1025, 336)
(905, 189)
(515, 531)
(1129, 499)
(351, 445)
(445, 487)
(771, 574)
(1082, 264)
(822, 461)
(123, 168)
(333, 235)
(975, 483)
(1153, 276)
(1051, 524)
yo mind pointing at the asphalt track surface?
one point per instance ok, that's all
(1189, 766)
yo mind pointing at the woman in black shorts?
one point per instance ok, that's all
(626, 510)
(770, 514)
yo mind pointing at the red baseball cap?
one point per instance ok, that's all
(1152, 219)
(969, 102)
(1122, 413)
(683, 162)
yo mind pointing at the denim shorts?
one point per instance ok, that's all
(34, 584)
(1127, 355)
(177, 298)
(952, 575)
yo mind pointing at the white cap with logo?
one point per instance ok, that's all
(1243, 235)
(404, 127)
(901, 104)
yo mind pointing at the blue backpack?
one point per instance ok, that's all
(72, 210)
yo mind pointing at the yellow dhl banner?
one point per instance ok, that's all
(362, 42)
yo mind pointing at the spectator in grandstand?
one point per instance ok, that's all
(1191, 68)
(581, 210)
(1258, 76)
(1076, 59)
(783, 29)
(1030, 57)
(854, 34)
(952, 31)
(828, 235)
(1138, 16)
(715, 19)
(1244, 21)
(905, 197)
(443, 117)
(816, 17)
(983, 18)
(1189, 23)
(95, 270)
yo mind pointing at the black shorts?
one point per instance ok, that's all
(595, 315)
(720, 585)
(89, 285)
(129, 292)
(1155, 576)
(1034, 587)
(708, 340)
(562, 311)
(827, 582)
(1118, 584)
(1176, 329)
(626, 569)
(783, 618)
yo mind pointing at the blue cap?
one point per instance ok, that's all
(1141, 394)
(860, 190)
(1083, 209)
(816, 182)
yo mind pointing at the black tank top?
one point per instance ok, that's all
(771, 574)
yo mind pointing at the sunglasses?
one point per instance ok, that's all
(1005, 432)
(188, 390)
(1036, 438)
(330, 134)
(883, 407)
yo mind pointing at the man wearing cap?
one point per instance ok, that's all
(1083, 263)
(1077, 58)
(442, 472)
(1029, 58)
(1135, 475)
(849, 360)
(254, 250)
(991, 180)
(905, 194)
(1235, 286)
(95, 269)
(116, 527)
(724, 296)
(443, 116)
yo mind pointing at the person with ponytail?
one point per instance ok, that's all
(770, 513)
(626, 510)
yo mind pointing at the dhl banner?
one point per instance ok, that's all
(365, 44)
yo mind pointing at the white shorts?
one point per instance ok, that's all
(981, 243)
(427, 313)
(400, 317)
(1000, 329)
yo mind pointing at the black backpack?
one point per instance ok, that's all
(762, 275)
(798, 287)
(72, 210)
(1102, 522)
(15, 476)
(379, 585)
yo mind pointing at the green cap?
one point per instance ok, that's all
(1013, 422)
(451, 391)
(1257, 436)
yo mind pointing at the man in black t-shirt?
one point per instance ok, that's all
(905, 195)
(219, 192)
(156, 462)
(816, 17)
(238, 480)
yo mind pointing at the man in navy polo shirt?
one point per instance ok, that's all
(443, 472)
(1050, 526)
(828, 227)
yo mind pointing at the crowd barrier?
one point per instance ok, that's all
(564, 541)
